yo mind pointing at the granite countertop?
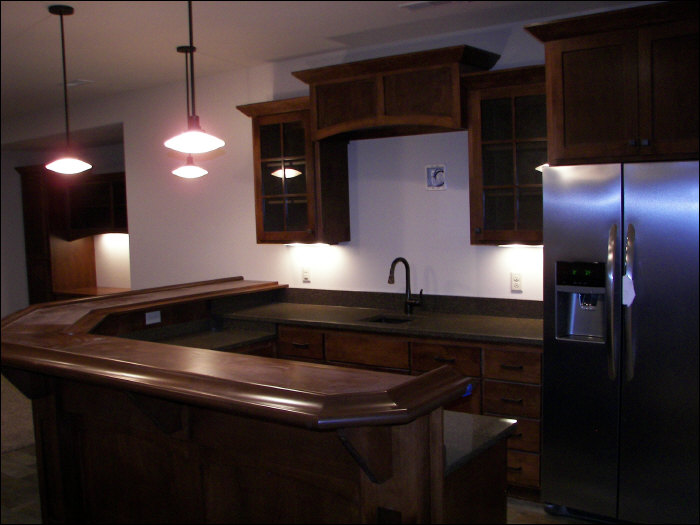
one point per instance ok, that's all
(55, 339)
(420, 324)
(467, 435)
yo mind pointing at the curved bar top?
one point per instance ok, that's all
(53, 339)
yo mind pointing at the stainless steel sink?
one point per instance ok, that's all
(388, 319)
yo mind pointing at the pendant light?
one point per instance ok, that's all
(189, 170)
(194, 140)
(67, 164)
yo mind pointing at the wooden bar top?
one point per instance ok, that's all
(54, 339)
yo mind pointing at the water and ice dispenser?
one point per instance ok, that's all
(580, 301)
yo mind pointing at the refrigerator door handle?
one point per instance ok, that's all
(609, 299)
(630, 347)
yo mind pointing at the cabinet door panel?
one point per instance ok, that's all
(427, 356)
(523, 469)
(526, 436)
(511, 399)
(299, 342)
(668, 80)
(592, 90)
(522, 367)
(367, 349)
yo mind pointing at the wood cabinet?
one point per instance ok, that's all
(301, 186)
(623, 86)
(374, 98)
(89, 204)
(512, 388)
(300, 343)
(506, 379)
(507, 142)
(56, 260)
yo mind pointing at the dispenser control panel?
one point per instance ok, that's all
(588, 274)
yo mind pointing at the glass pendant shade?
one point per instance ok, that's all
(189, 170)
(68, 166)
(194, 141)
(288, 173)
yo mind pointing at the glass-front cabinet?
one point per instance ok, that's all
(286, 177)
(507, 143)
(294, 203)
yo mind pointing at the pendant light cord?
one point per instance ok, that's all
(65, 83)
(192, 49)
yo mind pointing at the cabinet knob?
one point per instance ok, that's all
(644, 142)
(632, 142)
(477, 230)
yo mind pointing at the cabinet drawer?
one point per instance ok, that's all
(523, 367)
(426, 356)
(470, 404)
(526, 436)
(523, 469)
(299, 342)
(511, 399)
(367, 349)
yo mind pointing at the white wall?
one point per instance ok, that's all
(183, 230)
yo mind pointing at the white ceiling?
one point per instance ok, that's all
(122, 46)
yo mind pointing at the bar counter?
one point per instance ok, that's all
(138, 431)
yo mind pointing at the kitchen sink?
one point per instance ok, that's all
(388, 319)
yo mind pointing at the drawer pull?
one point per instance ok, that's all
(517, 436)
(300, 345)
(511, 400)
(512, 367)
(445, 359)
(515, 469)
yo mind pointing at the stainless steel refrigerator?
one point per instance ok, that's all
(620, 364)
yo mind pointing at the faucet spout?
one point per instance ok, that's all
(409, 303)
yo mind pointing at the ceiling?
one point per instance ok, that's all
(123, 46)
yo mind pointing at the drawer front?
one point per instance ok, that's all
(299, 342)
(523, 469)
(426, 356)
(367, 349)
(511, 399)
(470, 404)
(526, 436)
(522, 367)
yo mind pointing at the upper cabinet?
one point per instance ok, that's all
(301, 187)
(392, 96)
(507, 143)
(88, 204)
(623, 85)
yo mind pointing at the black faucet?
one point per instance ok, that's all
(410, 303)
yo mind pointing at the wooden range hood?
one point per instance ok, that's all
(398, 95)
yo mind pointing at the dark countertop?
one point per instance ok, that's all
(421, 324)
(467, 435)
(55, 339)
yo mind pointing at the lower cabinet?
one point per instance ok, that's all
(506, 379)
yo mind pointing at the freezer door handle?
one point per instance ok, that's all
(630, 347)
(609, 299)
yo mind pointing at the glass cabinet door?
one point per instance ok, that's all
(508, 143)
(285, 178)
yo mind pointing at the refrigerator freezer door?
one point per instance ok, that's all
(659, 424)
(580, 400)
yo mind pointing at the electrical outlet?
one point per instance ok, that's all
(305, 275)
(516, 282)
(153, 317)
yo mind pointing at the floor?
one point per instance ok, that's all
(20, 494)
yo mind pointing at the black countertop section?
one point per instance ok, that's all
(467, 435)
(424, 324)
